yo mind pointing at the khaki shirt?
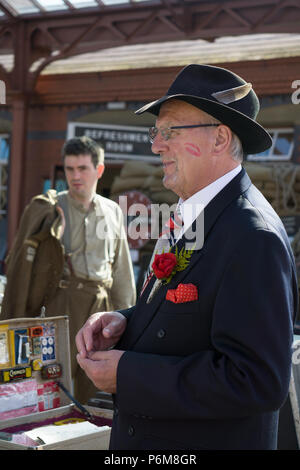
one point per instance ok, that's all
(98, 247)
(35, 262)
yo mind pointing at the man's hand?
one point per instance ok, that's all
(101, 368)
(101, 331)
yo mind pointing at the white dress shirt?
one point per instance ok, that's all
(191, 207)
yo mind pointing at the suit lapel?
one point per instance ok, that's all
(144, 312)
(201, 227)
(218, 204)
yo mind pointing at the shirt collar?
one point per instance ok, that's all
(77, 205)
(191, 207)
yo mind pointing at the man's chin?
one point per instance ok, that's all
(168, 182)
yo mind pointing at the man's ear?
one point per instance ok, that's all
(100, 170)
(223, 139)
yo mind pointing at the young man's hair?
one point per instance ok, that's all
(84, 146)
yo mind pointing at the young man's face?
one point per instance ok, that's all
(82, 176)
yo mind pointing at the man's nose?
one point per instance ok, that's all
(76, 175)
(159, 144)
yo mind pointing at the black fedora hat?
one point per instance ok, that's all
(225, 96)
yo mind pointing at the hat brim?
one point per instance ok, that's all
(254, 137)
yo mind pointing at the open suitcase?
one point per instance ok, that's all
(36, 410)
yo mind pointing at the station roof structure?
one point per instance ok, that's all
(39, 37)
(36, 34)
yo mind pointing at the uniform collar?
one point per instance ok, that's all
(77, 205)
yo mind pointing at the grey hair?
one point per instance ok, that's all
(236, 148)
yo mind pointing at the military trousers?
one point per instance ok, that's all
(78, 299)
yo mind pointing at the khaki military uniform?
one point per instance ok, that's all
(88, 271)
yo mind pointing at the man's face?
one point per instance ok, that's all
(82, 176)
(187, 157)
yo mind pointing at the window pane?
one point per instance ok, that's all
(114, 2)
(282, 148)
(263, 154)
(84, 3)
(283, 144)
(23, 6)
(4, 149)
(53, 4)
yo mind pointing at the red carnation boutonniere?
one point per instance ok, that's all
(166, 265)
(163, 265)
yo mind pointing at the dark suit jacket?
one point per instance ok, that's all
(212, 373)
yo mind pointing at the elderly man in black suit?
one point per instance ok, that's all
(202, 361)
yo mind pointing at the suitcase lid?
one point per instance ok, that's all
(34, 356)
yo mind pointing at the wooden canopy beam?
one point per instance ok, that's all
(36, 40)
(51, 36)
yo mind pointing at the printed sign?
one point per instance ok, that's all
(119, 142)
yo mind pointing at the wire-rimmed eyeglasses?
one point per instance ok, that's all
(166, 132)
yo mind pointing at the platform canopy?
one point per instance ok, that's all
(37, 34)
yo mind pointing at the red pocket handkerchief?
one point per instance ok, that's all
(183, 293)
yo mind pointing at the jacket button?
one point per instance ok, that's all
(161, 333)
(131, 430)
